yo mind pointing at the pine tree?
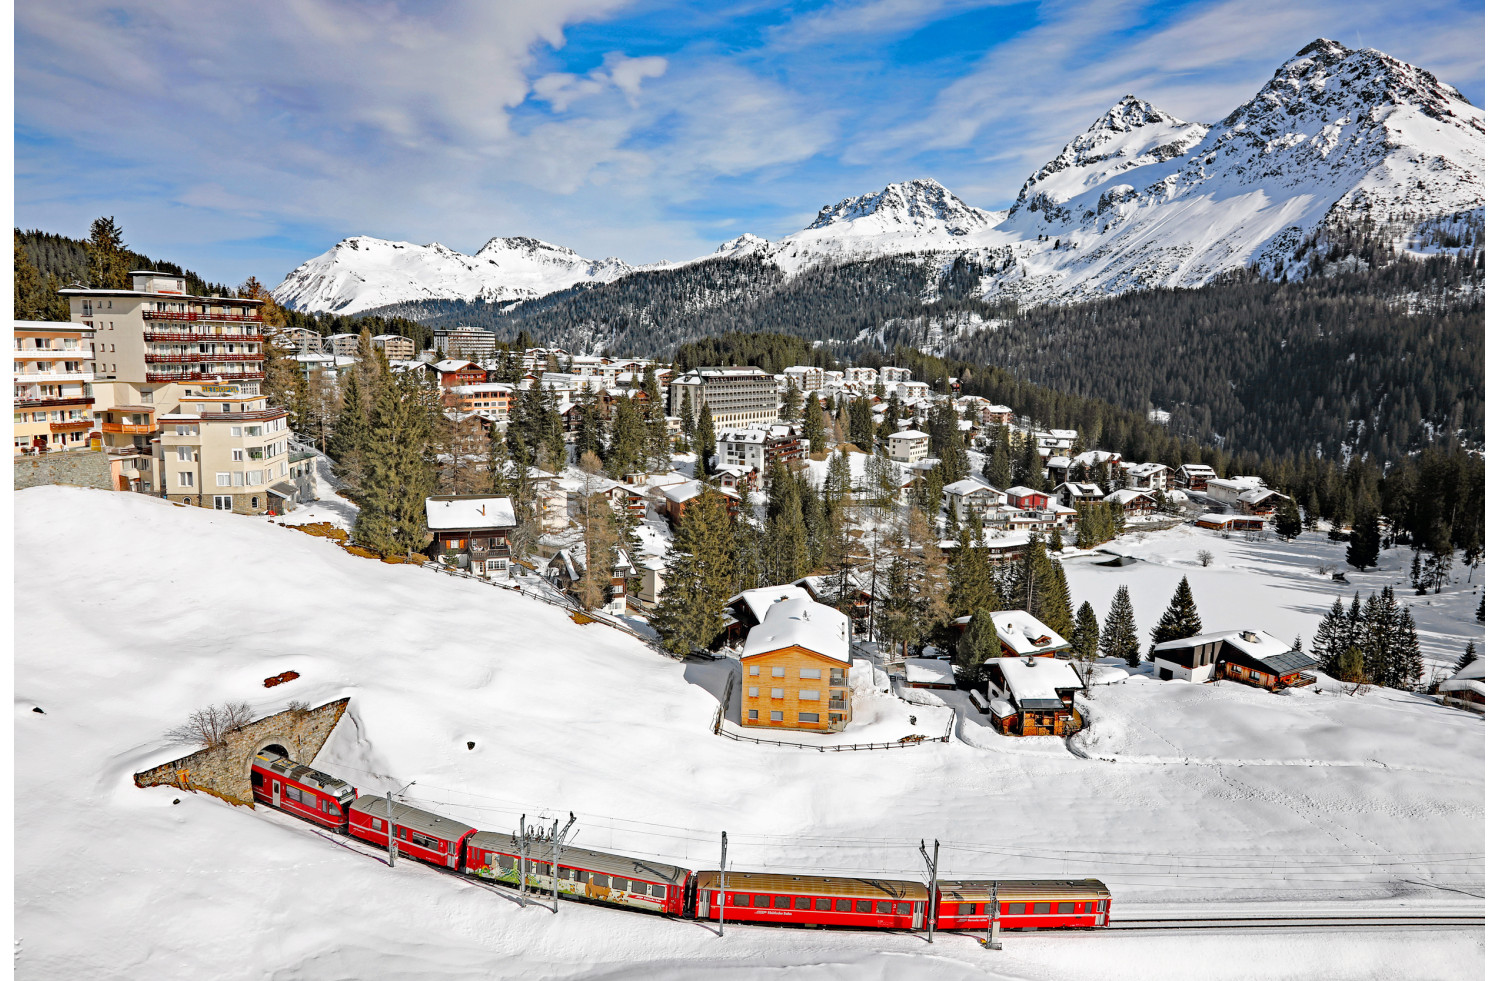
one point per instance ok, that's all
(627, 440)
(861, 424)
(1180, 619)
(813, 427)
(1033, 576)
(1057, 605)
(978, 644)
(658, 453)
(1086, 633)
(32, 301)
(1331, 639)
(970, 590)
(1119, 639)
(700, 578)
(1288, 518)
(398, 476)
(1406, 652)
(708, 440)
(1364, 541)
(109, 268)
(1054, 541)
(1468, 658)
(350, 441)
(997, 465)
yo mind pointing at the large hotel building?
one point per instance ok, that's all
(177, 394)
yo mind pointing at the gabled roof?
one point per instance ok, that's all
(1034, 682)
(760, 600)
(967, 486)
(1257, 645)
(465, 511)
(455, 364)
(1126, 496)
(799, 622)
(1022, 491)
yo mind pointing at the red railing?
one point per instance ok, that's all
(200, 358)
(171, 337)
(54, 401)
(183, 315)
(127, 427)
(187, 376)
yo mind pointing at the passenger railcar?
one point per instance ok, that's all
(811, 900)
(301, 790)
(583, 874)
(420, 834)
(1022, 904)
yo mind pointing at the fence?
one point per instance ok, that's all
(902, 743)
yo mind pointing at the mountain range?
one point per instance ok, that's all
(1338, 140)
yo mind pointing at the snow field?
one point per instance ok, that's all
(114, 881)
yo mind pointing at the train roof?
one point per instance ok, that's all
(978, 890)
(305, 775)
(813, 885)
(406, 816)
(584, 858)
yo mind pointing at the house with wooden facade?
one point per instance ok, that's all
(794, 670)
(453, 372)
(1251, 657)
(1076, 495)
(1023, 635)
(569, 566)
(1231, 522)
(1033, 696)
(1466, 686)
(472, 532)
(1132, 501)
(1195, 476)
(1149, 476)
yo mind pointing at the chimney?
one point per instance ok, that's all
(1030, 661)
(481, 510)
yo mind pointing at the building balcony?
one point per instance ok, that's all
(254, 415)
(210, 317)
(40, 377)
(52, 401)
(131, 450)
(154, 358)
(71, 426)
(175, 337)
(130, 428)
(208, 376)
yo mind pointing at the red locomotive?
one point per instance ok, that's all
(640, 884)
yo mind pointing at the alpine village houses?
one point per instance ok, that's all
(794, 670)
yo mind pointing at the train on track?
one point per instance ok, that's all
(651, 886)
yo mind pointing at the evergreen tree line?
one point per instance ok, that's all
(46, 262)
(1373, 643)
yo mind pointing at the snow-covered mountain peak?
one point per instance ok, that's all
(522, 244)
(747, 242)
(921, 205)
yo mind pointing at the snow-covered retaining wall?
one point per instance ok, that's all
(224, 771)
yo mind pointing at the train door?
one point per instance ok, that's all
(703, 902)
(275, 793)
(1102, 912)
(919, 915)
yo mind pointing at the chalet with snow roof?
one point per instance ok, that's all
(675, 498)
(924, 672)
(1466, 686)
(794, 669)
(1000, 546)
(1076, 495)
(452, 372)
(472, 532)
(1031, 696)
(748, 609)
(1089, 461)
(1195, 477)
(1133, 502)
(1023, 635)
(570, 565)
(1149, 477)
(1226, 523)
(1251, 657)
(1026, 498)
(969, 494)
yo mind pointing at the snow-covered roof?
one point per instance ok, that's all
(798, 621)
(454, 364)
(743, 436)
(928, 671)
(908, 434)
(1474, 671)
(1275, 654)
(759, 600)
(1084, 490)
(1198, 468)
(683, 492)
(1147, 469)
(1025, 634)
(469, 511)
(1034, 681)
(1092, 458)
(1021, 491)
(967, 486)
(1126, 496)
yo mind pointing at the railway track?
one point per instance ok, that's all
(1377, 921)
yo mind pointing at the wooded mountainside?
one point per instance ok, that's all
(68, 260)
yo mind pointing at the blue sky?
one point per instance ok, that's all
(241, 138)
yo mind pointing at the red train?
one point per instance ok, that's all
(640, 884)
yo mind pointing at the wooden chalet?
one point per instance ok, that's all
(1195, 476)
(472, 532)
(1250, 657)
(1031, 696)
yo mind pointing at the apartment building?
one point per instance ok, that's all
(805, 378)
(346, 345)
(395, 346)
(53, 375)
(736, 396)
(794, 671)
(177, 390)
(464, 342)
(492, 400)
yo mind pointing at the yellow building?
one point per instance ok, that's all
(53, 373)
(794, 672)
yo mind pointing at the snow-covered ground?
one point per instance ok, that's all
(115, 881)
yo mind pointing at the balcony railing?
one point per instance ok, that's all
(53, 401)
(254, 415)
(172, 337)
(152, 358)
(128, 450)
(184, 315)
(72, 425)
(187, 376)
(127, 427)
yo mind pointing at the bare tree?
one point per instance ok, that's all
(213, 724)
(1205, 557)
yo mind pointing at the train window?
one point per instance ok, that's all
(660, 892)
(742, 900)
(862, 906)
(883, 907)
(620, 882)
(965, 909)
(257, 779)
(804, 903)
(639, 888)
(376, 824)
(783, 902)
(1015, 909)
(600, 879)
(1041, 908)
(903, 909)
(844, 905)
(1067, 907)
(824, 904)
(1088, 907)
(762, 902)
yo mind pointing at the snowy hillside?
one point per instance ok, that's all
(1217, 795)
(363, 273)
(1139, 199)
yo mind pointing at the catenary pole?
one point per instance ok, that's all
(932, 889)
(521, 872)
(994, 915)
(557, 838)
(723, 866)
(390, 825)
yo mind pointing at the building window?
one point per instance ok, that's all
(807, 717)
(778, 672)
(221, 480)
(185, 479)
(753, 714)
(775, 716)
(223, 502)
(235, 430)
(809, 695)
(778, 693)
(810, 673)
(184, 454)
(754, 670)
(752, 692)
